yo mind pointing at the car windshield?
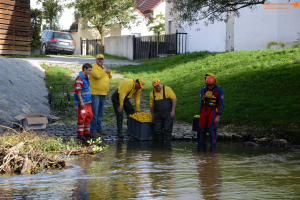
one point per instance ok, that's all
(62, 36)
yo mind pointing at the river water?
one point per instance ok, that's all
(180, 170)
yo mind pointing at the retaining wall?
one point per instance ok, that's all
(120, 46)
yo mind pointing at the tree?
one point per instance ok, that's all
(157, 24)
(35, 29)
(191, 11)
(52, 9)
(100, 13)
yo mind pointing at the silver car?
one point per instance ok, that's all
(57, 42)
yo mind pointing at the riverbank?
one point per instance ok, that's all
(261, 134)
(259, 87)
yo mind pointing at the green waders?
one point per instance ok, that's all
(163, 123)
(127, 107)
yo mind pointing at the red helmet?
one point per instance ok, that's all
(210, 80)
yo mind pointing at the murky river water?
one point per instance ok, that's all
(144, 170)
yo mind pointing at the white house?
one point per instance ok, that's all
(276, 22)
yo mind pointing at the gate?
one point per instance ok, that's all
(147, 47)
(90, 47)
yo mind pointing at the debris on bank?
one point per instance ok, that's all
(27, 152)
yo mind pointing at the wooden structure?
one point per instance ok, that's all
(90, 47)
(14, 27)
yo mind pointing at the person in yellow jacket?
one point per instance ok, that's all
(162, 106)
(99, 80)
(121, 96)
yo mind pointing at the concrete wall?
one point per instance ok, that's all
(170, 19)
(254, 29)
(120, 46)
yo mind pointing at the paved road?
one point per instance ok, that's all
(60, 59)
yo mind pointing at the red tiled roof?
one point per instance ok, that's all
(144, 5)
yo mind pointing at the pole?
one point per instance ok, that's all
(157, 44)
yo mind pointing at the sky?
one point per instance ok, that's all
(65, 21)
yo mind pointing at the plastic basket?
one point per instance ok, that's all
(141, 130)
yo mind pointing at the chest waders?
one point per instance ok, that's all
(127, 106)
(206, 121)
(163, 123)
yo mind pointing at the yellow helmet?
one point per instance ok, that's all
(207, 75)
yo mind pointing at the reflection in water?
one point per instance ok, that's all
(209, 173)
(181, 170)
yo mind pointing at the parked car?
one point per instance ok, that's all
(57, 42)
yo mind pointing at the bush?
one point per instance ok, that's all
(35, 29)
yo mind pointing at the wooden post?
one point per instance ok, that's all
(81, 45)
(87, 47)
(96, 45)
(157, 42)
(176, 42)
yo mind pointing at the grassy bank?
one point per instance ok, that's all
(260, 86)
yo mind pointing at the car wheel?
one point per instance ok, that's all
(44, 49)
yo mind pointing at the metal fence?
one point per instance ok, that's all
(90, 47)
(147, 47)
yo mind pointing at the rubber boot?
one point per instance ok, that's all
(160, 141)
(120, 125)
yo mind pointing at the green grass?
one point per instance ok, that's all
(59, 75)
(106, 56)
(260, 86)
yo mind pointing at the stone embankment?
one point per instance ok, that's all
(22, 88)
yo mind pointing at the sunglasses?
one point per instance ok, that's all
(209, 84)
(100, 58)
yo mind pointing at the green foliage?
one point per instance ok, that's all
(192, 11)
(52, 9)
(260, 86)
(100, 13)
(57, 75)
(35, 27)
(270, 44)
(157, 24)
(96, 145)
(56, 25)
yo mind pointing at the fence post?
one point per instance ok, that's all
(157, 44)
(176, 43)
(96, 45)
(134, 47)
(87, 47)
(81, 45)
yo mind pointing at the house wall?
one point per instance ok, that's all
(169, 18)
(254, 29)
(137, 29)
(120, 46)
(205, 38)
(161, 8)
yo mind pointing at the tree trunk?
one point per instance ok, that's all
(50, 22)
(101, 30)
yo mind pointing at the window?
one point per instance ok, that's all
(170, 26)
(62, 35)
(44, 34)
